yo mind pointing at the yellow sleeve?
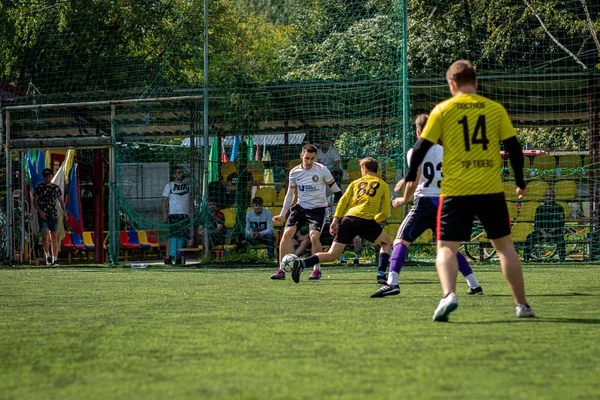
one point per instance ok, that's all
(385, 204)
(433, 128)
(340, 210)
(506, 127)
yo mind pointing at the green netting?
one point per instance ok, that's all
(129, 86)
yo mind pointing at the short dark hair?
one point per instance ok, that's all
(420, 121)
(309, 148)
(462, 72)
(257, 201)
(47, 172)
(370, 164)
(212, 200)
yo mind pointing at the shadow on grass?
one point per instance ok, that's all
(573, 294)
(587, 321)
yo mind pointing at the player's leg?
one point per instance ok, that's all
(285, 247)
(496, 222)
(455, 217)
(513, 273)
(465, 269)
(53, 227)
(316, 221)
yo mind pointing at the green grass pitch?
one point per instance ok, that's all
(202, 333)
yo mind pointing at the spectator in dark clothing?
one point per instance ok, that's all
(215, 225)
(548, 226)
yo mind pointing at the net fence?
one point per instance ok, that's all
(124, 95)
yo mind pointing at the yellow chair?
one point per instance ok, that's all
(527, 211)
(275, 211)
(227, 168)
(520, 231)
(230, 217)
(536, 190)
(391, 230)
(544, 164)
(569, 165)
(280, 197)
(425, 238)
(396, 215)
(510, 191)
(293, 163)
(257, 169)
(353, 169)
(268, 194)
(143, 239)
(565, 190)
(512, 210)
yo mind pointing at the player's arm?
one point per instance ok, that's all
(515, 155)
(337, 192)
(287, 203)
(385, 205)
(63, 207)
(409, 192)
(418, 155)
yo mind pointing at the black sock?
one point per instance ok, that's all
(384, 260)
(311, 261)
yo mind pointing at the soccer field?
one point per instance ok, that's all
(200, 333)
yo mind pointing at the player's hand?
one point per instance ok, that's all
(43, 215)
(398, 202)
(333, 228)
(399, 185)
(521, 193)
(277, 218)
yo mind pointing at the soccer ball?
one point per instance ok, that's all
(287, 262)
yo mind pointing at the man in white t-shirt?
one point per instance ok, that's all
(422, 216)
(175, 207)
(330, 157)
(310, 179)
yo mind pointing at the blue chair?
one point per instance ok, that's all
(135, 241)
(77, 241)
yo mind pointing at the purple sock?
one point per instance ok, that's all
(398, 256)
(463, 265)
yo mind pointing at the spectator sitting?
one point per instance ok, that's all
(259, 226)
(216, 225)
(548, 226)
(301, 242)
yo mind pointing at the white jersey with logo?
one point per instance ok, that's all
(312, 185)
(431, 172)
(179, 197)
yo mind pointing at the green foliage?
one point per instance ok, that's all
(555, 139)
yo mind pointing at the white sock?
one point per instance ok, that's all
(53, 259)
(472, 281)
(393, 278)
(317, 267)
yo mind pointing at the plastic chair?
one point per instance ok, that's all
(268, 194)
(230, 217)
(527, 211)
(569, 165)
(257, 169)
(512, 210)
(77, 241)
(143, 239)
(125, 243)
(510, 191)
(544, 164)
(565, 190)
(396, 215)
(353, 169)
(425, 238)
(294, 163)
(153, 239)
(565, 207)
(88, 240)
(520, 231)
(227, 168)
(134, 240)
(280, 197)
(536, 190)
(390, 172)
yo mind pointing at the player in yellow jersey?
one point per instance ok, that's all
(365, 204)
(471, 128)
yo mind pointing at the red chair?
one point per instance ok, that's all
(68, 247)
(153, 239)
(125, 245)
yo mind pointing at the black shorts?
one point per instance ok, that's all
(350, 227)
(422, 216)
(179, 226)
(456, 215)
(315, 217)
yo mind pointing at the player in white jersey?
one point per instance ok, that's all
(175, 208)
(310, 179)
(422, 216)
